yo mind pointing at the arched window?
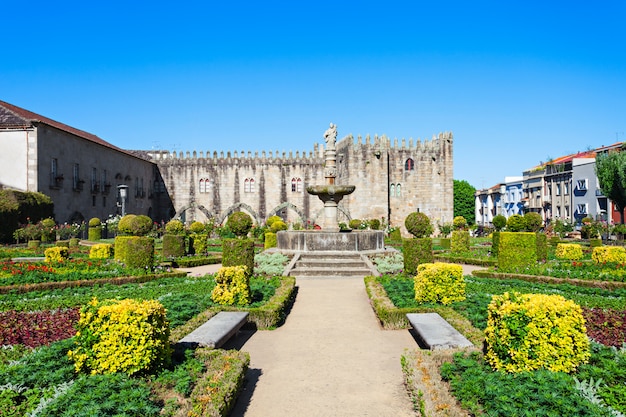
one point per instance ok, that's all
(398, 189)
(201, 188)
(296, 185)
(205, 185)
(392, 190)
(409, 165)
(248, 185)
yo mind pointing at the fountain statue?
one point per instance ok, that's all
(330, 193)
(329, 238)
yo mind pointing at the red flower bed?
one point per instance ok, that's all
(606, 326)
(37, 328)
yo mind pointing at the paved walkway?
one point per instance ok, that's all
(330, 358)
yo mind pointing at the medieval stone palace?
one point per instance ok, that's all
(391, 179)
(84, 175)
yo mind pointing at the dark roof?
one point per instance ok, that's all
(13, 117)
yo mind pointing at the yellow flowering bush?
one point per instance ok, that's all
(439, 283)
(56, 254)
(126, 336)
(101, 251)
(232, 286)
(608, 254)
(526, 332)
(569, 251)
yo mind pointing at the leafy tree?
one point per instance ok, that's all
(611, 173)
(464, 200)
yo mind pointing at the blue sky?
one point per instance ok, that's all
(516, 82)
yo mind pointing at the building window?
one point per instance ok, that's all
(76, 181)
(409, 165)
(558, 189)
(54, 168)
(392, 190)
(581, 185)
(398, 190)
(581, 208)
(104, 201)
(567, 211)
(103, 181)
(248, 185)
(93, 201)
(94, 180)
(565, 188)
(296, 185)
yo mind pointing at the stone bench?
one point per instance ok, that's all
(436, 333)
(217, 330)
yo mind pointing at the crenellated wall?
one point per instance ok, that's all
(261, 184)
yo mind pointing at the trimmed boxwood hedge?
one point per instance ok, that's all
(238, 252)
(135, 251)
(416, 251)
(516, 250)
(173, 246)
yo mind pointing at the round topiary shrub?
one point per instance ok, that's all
(174, 227)
(418, 224)
(526, 332)
(374, 224)
(197, 227)
(459, 223)
(277, 226)
(355, 224)
(94, 222)
(48, 230)
(533, 221)
(272, 219)
(516, 223)
(239, 223)
(499, 222)
(135, 225)
(94, 233)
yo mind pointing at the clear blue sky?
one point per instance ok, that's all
(516, 82)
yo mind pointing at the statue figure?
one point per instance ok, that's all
(330, 136)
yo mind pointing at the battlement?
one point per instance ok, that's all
(434, 144)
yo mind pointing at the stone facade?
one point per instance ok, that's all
(391, 179)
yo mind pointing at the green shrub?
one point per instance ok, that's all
(439, 283)
(48, 233)
(495, 243)
(499, 222)
(64, 243)
(135, 251)
(232, 286)
(74, 242)
(101, 251)
(569, 251)
(270, 240)
(94, 233)
(175, 227)
(197, 227)
(125, 336)
(445, 242)
(272, 219)
(459, 223)
(516, 251)
(56, 254)
(460, 241)
(34, 244)
(272, 264)
(526, 332)
(374, 224)
(277, 226)
(416, 252)
(135, 225)
(236, 252)
(594, 243)
(239, 223)
(173, 246)
(542, 247)
(418, 224)
(532, 221)
(354, 224)
(395, 235)
(95, 222)
(516, 223)
(199, 242)
(554, 240)
(609, 254)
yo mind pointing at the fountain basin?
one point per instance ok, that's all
(330, 192)
(293, 241)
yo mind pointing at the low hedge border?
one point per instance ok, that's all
(468, 261)
(57, 285)
(192, 262)
(393, 318)
(269, 316)
(608, 285)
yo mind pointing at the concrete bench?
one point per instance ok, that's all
(435, 332)
(217, 330)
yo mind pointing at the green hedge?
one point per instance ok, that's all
(17, 207)
(416, 251)
(542, 247)
(238, 252)
(198, 243)
(135, 251)
(460, 241)
(173, 246)
(516, 250)
(270, 240)
(95, 233)
(495, 243)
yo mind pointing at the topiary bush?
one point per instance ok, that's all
(236, 252)
(609, 254)
(459, 223)
(125, 336)
(515, 223)
(239, 223)
(173, 245)
(272, 219)
(48, 231)
(516, 251)
(355, 224)
(101, 251)
(374, 224)
(135, 225)
(395, 235)
(532, 221)
(199, 242)
(277, 226)
(439, 283)
(232, 286)
(270, 240)
(499, 222)
(542, 247)
(418, 224)
(175, 227)
(135, 251)
(569, 251)
(526, 332)
(197, 227)
(94, 233)
(56, 254)
(416, 252)
(495, 243)
(460, 241)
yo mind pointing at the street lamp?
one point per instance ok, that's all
(378, 154)
(123, 190)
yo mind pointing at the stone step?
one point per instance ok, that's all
(305, 271)
(330, 263)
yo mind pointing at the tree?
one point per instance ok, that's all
(611, 173)
(464, 200)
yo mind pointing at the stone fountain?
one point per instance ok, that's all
(330, 238)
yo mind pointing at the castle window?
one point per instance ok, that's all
(248, 185)
(392, 190)
(205, 185)
(296, 185)
(398, 189)
(409, 165)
